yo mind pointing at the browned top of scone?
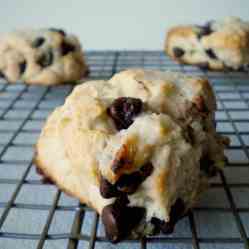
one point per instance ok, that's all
(217, 43)
(128, 140)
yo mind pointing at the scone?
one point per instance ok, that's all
(139, 148)
(218, 45)
(45, 56)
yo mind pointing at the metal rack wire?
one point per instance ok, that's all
(38, 215)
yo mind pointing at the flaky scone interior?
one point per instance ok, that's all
(139, 148)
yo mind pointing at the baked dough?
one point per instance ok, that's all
(217, 45)
(139, 148)
(45, 56)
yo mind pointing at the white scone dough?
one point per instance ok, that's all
(45, 56)
(142, 145)
(218, 45)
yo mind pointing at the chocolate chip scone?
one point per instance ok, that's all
(218, 45)
(139, 148)
(45, 56)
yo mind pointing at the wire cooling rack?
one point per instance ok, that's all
(38, 215)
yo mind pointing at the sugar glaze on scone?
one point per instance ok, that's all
(139, 148)
(218, 45)
(44, 56)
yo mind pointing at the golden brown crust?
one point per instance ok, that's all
(227, 43)
(80, 145)
(227, 40)
(41, 57)
(186, 33)
(60, 185)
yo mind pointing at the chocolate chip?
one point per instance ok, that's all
(178, 52)
(38, 42)
(177, 212)
(207, 166)
(120, 219)
(189, 135)
(113, 222)
(146, 170)
(204, 30)
(22, 67)
(211, 54)
(46, 59)
(61, 31)
(123, 110)
(203, 65)
(201, 106)
(2, 75)
(129, 183)
(67, 48)
(160, 225)
(108, 190)
(119, 163)
(122, 201)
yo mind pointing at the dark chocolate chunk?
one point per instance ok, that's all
(123, 110)
(207, 166)
(133, 215)
(113, 222)
(38, 42)
(119, 220)
(201, 105)
(22, 67)
(160, 225)
(2, 75)
(61, 31)
(178, 52)
(122, 200)
(46, 59)
(67, 48)
(129, 183)
(177, 212)
(119, 163)
(108, 190)
(211, 54)
(189, 135)
(146, 170)
(204, 30)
